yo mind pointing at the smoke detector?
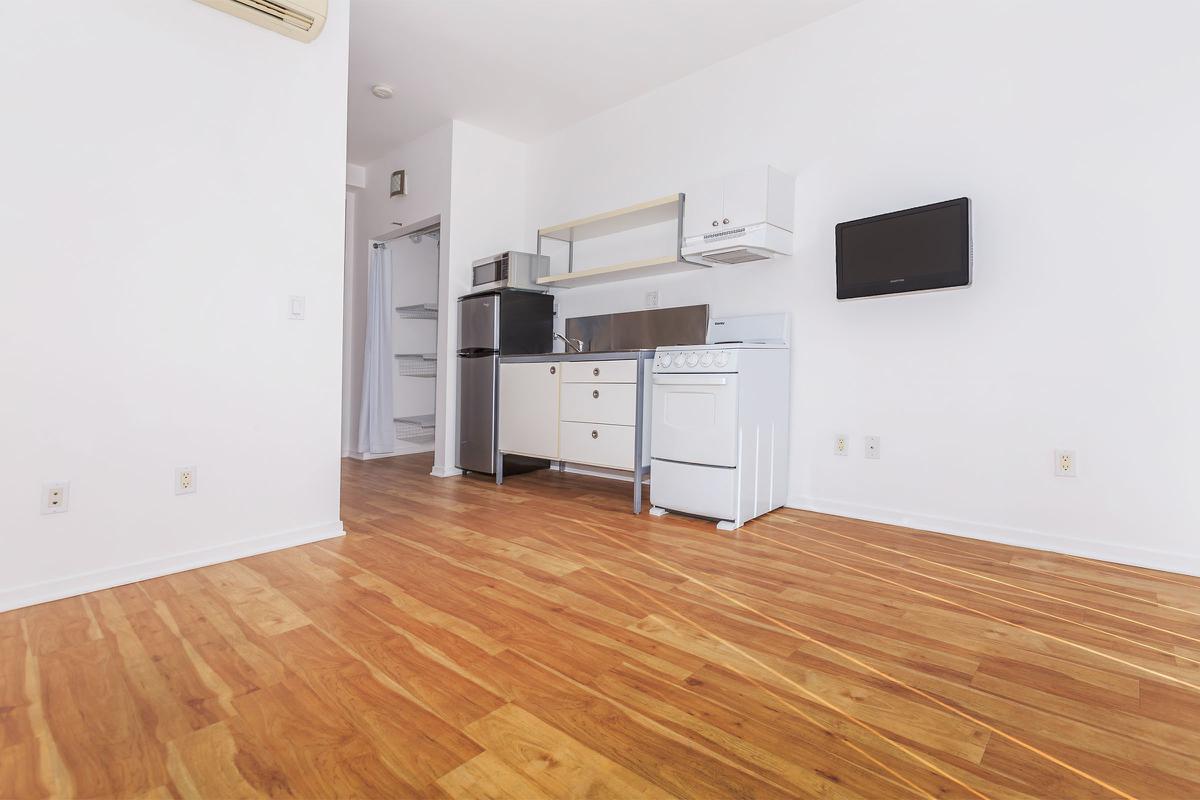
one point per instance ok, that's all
(382, 91)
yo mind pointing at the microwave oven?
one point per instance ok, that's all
(509, 270)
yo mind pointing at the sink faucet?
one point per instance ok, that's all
(574, 344)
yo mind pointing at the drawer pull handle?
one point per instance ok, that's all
(595, 434)
(596, 371)
(553, 370)
(596, 394)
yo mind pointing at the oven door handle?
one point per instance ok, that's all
(691, 380)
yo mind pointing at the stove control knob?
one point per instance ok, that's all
(679, 359)
(706, 360)
(722, 358)
(661, 360)
(693, 359)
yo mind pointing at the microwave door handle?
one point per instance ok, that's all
(691, 380)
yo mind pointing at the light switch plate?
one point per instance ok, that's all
(296, 307)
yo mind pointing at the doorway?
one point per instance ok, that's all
(392, 329)
(415, 258)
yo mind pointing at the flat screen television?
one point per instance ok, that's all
(928, 247)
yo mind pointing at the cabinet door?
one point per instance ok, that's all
(529, 409)
(745, 198)
(702, 207)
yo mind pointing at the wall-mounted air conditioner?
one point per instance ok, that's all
(744, 217)
(298, 19)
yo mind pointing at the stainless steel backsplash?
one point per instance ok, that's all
(637, 330)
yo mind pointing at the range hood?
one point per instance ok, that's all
(739, 245)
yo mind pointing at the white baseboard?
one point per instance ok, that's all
(445, 472)
(32, 594)
(402, 448)
(1019, 537)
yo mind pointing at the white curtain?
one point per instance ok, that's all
(376, 428)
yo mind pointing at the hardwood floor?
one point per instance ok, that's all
(538, 641)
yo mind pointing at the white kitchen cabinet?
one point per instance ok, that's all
(586, 411)
(748, 197)
(529, 409)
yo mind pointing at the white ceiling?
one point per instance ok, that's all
(524, 68)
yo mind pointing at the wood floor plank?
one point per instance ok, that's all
(536, 640)
(93, 721)
(205, 764)
(487, 777)
(558, 764)
(294, 737)
(414, 743)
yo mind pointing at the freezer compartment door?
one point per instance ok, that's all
(479, 323)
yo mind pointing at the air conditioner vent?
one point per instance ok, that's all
(281, 12)
(298, 19)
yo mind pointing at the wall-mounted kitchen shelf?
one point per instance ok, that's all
(419, 311)
(652, 212)
(642, 268)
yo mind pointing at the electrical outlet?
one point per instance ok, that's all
(55, 496)
(871, 446)
(185, 480)
(652, 299)
(841, 445)
(1064, 463)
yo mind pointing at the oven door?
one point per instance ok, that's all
(695, 419)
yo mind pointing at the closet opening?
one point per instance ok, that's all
(398, 414)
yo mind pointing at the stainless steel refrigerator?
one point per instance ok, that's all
(492, 324)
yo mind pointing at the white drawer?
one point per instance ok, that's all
(600, 371)
(608, 403)
(599, 445)
(694, 489)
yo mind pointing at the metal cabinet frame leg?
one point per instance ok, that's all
(638, 472)
(638, 435)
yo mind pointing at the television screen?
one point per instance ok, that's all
(928, 247)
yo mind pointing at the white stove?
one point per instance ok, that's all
(720, 422)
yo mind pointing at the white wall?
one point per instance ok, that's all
(488, 176)
(1072, 126)
(171, 175)
(426, 161)
(352, 275)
